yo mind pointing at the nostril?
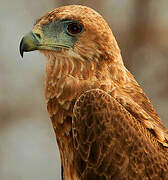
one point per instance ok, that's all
(38, 35)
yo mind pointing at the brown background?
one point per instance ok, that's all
(27, 143)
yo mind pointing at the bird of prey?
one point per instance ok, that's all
(105, 126)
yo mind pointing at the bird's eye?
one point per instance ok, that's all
(74, 28)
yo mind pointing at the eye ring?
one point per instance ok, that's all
(74, 28)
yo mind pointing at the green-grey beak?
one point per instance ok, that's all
(28, 43)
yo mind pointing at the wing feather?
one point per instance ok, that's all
(111, 144)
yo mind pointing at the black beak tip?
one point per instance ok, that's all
(21, 48)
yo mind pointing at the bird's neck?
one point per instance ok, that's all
(69, 75)
(65, 76)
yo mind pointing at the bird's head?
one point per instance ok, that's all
(74, 28)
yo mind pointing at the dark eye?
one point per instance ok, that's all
(74, 28)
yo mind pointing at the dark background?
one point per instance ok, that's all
(28, 147)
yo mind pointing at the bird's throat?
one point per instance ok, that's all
(66, 75)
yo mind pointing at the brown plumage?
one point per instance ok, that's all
(106, 127)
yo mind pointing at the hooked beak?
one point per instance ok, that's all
(33, 41)
(29, 43)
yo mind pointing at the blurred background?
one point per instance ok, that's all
(28, 147)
